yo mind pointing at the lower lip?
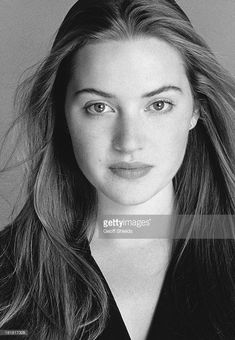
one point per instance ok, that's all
(131, 173)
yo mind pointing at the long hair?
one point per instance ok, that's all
(50, 276)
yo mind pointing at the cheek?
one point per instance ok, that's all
(180, 134)
(88, 147)
(178, 146)
(173, 140)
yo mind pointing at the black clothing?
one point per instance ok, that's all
(183, 311)
(165, 324)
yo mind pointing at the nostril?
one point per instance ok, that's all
(129, 133)
(127, 143)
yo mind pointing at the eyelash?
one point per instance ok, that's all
(165, 101)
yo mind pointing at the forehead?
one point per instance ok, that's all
(129, 65)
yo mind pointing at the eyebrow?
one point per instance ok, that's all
(146, 95)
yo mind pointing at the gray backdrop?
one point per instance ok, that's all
(27, 28)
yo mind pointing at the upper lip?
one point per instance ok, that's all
(132, 165)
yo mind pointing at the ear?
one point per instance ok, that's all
(194, 118)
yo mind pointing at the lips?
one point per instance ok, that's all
(130, 171)
(132, 165)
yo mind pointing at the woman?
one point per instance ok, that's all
(130, 113)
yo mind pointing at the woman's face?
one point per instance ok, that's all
(129, 101)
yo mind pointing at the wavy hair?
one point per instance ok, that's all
(49, 276)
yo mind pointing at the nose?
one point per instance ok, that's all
(129, 133)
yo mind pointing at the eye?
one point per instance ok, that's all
(98, 108)
(161, 105)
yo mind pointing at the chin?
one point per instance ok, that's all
(128, 199)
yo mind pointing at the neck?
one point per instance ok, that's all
(160, 204)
